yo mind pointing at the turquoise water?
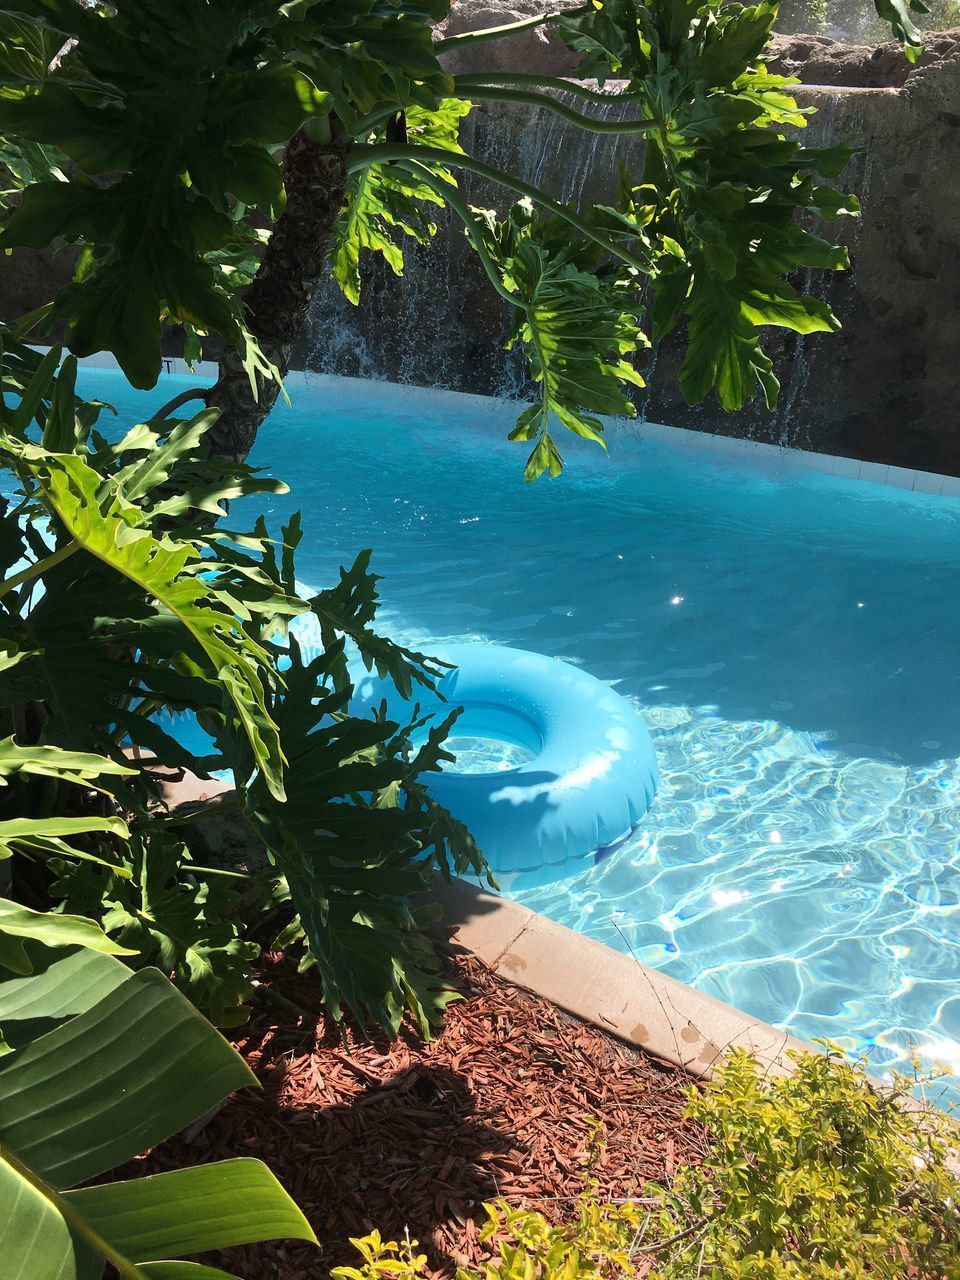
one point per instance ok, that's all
(789, 637)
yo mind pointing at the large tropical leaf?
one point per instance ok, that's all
(19, 924)
(578, 322)
(356, 839)
(61, 983)
(127, 1061)
(383, 200)
(111, 659)
(110, 528)
(139, 190)
(716, 209)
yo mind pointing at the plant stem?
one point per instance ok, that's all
(232, 875)
(175, 819)
(529, 99)
(483, 84)
(509, 29)
(41, 566)
(384, 153)
(269, 993)
(465, 84)
(193, 393)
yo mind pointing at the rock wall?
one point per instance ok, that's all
(886, 388)
(818, 60)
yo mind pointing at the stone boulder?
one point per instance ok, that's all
(818, 60)
(533, 51)
(815, 60)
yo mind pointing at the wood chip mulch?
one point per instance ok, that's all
(418, 1134)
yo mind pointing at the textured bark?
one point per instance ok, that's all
(279, 298)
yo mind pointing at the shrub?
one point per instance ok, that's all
(817, 1174)
(124, 607)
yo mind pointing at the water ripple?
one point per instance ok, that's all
(817, 892)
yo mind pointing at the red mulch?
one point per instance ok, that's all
(419, 1135)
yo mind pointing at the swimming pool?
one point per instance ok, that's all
(791, 640)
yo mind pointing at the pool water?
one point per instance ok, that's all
(485, 755)
(790, 638)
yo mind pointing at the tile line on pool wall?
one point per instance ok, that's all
(930, 482)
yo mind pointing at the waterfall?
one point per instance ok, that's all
(441, 324)
(884, 388)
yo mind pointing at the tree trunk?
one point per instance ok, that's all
(279, 298)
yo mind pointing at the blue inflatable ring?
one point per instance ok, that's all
(592, 774)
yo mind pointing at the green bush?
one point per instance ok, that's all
(122, 602)
(807, 16)
(816, 1175)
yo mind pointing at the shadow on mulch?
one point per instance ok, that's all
(417, 1135)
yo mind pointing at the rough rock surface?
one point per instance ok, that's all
(885, 388)
(817, 60)
(532, 50)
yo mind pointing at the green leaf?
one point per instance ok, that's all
(18, 831)
(21, 923)
(48, 210)
(578, 322)
(897, 13)
(211, 1206)
(36, 1239)
(80, 767)
(346, 610)
(715, 211)
(107, 527)
(123, 1065)
(353, 868)
(189, 926)
(61, 984)
(385, 199)
(97, 138)
(85, 1097)
(266, 105)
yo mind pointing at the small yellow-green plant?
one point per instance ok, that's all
(813, 1174)
(380, 1258)
(816, 1175)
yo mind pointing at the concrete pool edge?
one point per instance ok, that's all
(927, 482)
(647, 1009)
(639, 1005)
(657, 1014)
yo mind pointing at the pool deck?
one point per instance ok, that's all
(658, 1014)
(610, 990)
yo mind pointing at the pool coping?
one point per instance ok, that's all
(610, 990)
(927, 482)
(660, 1015)
(618, 994)
(607, 988)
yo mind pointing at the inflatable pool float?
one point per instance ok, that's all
(587, 771)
